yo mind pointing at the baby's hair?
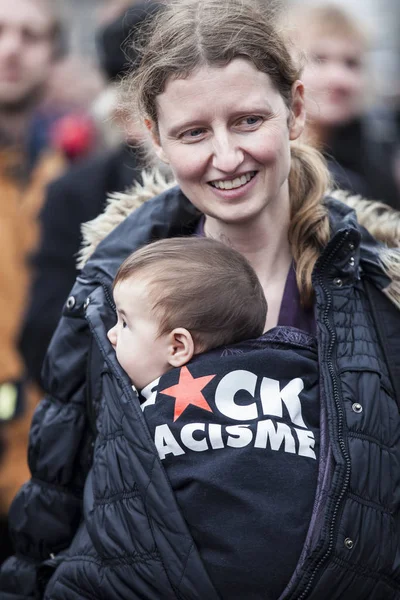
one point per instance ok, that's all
(202, 285)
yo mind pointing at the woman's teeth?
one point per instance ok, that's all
(233, 183)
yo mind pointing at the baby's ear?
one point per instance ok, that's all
(180, 347)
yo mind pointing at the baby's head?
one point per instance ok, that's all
(179, 297)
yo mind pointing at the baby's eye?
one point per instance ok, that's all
(123, 324)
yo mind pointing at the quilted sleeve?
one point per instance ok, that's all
(46, 512)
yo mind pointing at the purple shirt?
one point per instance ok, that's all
(292, 313)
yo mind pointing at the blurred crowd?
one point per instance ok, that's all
(66, 146)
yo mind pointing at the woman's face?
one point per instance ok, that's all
(334, 79)
(225, 133)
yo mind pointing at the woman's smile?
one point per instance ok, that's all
(230, 184)
(236, 187)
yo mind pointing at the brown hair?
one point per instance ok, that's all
(202, 285)
(186, 35)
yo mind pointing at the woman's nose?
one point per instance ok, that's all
(112, 335)
(227, 156)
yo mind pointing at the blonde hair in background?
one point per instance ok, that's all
(186, 35)
(323, 19)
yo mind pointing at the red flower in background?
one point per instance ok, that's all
(74, 135)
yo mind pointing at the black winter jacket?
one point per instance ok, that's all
(118, 533)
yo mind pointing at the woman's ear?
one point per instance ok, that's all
(297, 117)
(180, 347)
(155, 140)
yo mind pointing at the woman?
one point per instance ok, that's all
(224, 104)
(360, 144)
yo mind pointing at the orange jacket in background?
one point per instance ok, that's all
(19, 232)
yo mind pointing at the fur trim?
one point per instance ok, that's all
(119, 206)
(383, 223)
(390, 260)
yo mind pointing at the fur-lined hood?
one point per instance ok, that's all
(119, 206)
(382, 222)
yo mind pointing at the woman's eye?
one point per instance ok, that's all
(353, 63)
(193, 134)
(250, 121)
(31, 36)
(319, 58)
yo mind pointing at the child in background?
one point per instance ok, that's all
(233, 413)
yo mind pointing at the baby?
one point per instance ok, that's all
(178, 297)
(234, 414)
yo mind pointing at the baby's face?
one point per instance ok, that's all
(140, 352)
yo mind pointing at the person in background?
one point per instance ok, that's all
(361, 156)
(119, 25)
(63, 120)
(76, 197)
(224, 104)
(31, 43)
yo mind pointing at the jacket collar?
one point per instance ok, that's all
(156, 209)
(352, 250)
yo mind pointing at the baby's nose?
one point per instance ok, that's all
(112, 335)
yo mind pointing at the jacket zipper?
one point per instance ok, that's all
(337, 399)
(90, 408)
(109, 297)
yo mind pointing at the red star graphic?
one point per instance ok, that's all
(188, 391)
